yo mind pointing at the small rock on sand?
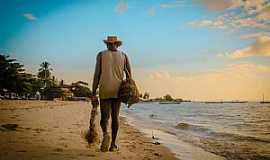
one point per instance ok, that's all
(11, 127)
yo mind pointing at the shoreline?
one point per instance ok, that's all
(181, 149)
(200, 131)
(54, 130)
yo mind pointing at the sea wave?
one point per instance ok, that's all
(191, 127)
(236, 132)
(202, 130)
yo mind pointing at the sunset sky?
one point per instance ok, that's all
(191, 49)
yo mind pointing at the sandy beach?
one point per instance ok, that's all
(55, 130)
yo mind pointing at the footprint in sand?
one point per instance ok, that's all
(91, 155)
(148, 149)
(146, 158)
(88, 155)
(39, 130)
(58, 150)
(62, 139)
(14, 116)
(63, 144)
(27, 128)
(131, 147)
(157, 154)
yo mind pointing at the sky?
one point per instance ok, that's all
(191, 49)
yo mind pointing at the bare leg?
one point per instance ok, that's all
(105, 108)
(115, 123)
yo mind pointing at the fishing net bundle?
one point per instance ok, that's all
(128, 92)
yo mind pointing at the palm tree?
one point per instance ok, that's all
(44, 72)
(146, 95)
(13, 77)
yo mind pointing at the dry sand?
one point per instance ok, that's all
(55, 130)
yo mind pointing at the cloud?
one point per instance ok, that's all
(253, 6)
(161, 75)
(249, 22)
(236, 14)
(201, 23)
(151, 11)
(250, 6)
(264, 15)
(231, 21)
(121, 7)
(29, 16)
(174, 4)
(242, 81)
(218, 5)
(218, 23)
(261, 47)
(230, 70)
(255, 35)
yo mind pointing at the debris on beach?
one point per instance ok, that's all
(152, 115)
(157, 154)
(10, 127)
(155, 138)
(156, 143)
(182, 126)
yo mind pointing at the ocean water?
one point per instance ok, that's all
(206, 131)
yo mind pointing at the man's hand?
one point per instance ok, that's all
(94, 100)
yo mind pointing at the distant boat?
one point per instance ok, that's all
(214, 102)
(236, 102)
(168, 102)
(263, 100)
(226, 102)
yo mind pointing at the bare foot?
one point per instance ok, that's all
(105, 143)
(114, 148)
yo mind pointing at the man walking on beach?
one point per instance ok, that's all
(109, 74)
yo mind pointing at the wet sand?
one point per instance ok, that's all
(55, 130)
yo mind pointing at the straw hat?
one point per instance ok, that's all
(112, 39)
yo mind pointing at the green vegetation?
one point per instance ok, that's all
(168, 97)
(53, 92)
(15, 83)
(164, 99)
(79, 89)
(146, 95)
(13, 77)
(44, 72)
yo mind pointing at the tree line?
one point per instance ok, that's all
(14, 81)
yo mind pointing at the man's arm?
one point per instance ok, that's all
(96, 74)
(128, 67)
